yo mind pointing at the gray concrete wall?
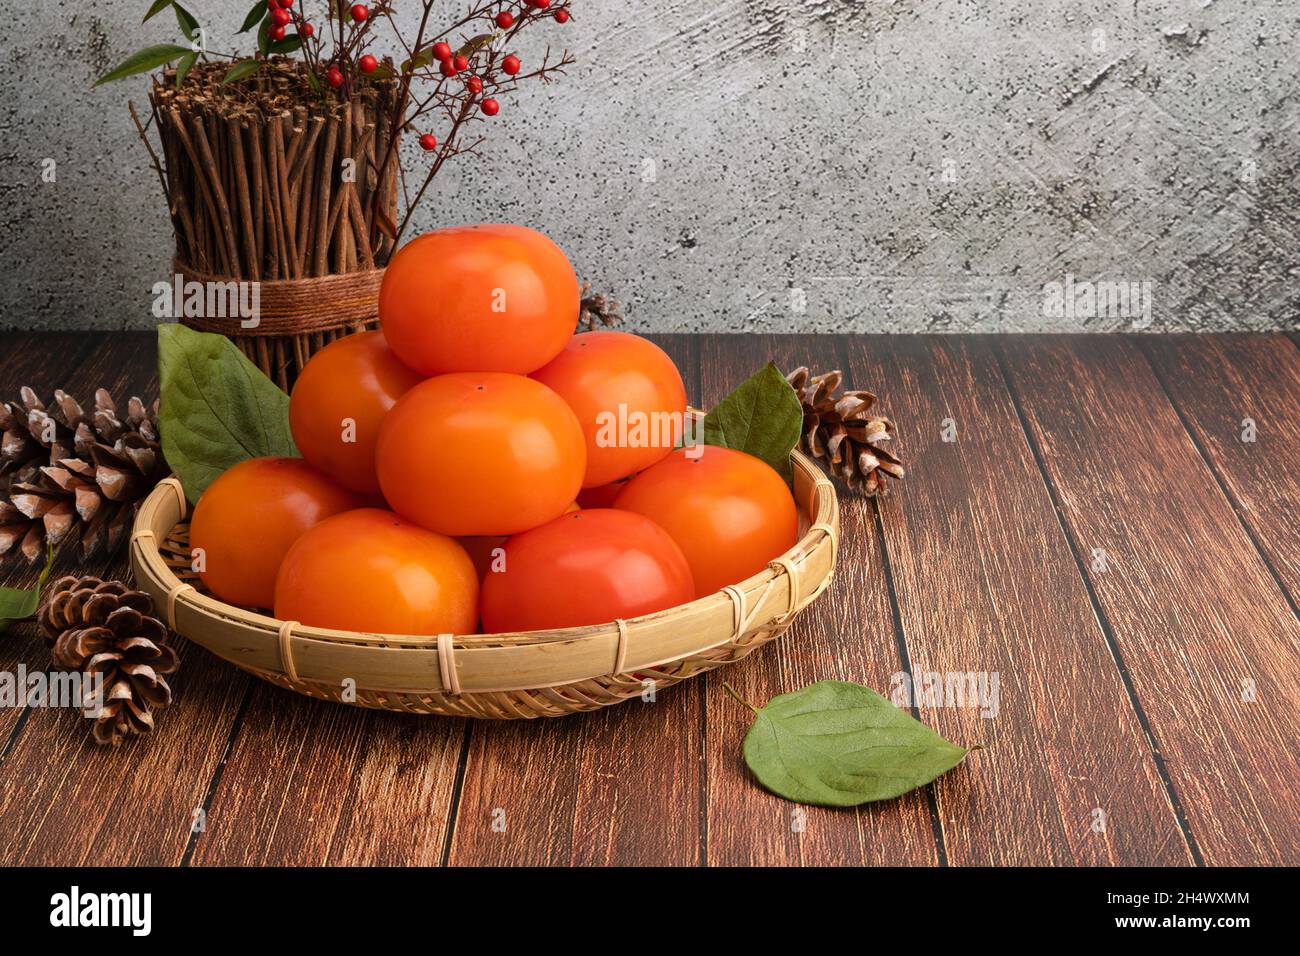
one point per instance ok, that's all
(757, 165)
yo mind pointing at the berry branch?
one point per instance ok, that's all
(453, 77)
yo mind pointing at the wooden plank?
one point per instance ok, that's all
(1204, 632)
(62, 799)
(1218, 384)
(848, 634)
(619, 786)
(309, 782)
(986, 584)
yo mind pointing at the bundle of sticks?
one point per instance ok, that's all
(264, 186)
(265, 183)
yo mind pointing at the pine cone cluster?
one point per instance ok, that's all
(843, 431)
(65, 471)
(597, 309)
(103, 627)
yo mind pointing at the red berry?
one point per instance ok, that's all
(272, 4)
(510, 64)
(504, 19)
(462, 62)
(428, 142)
(491, 107)
(541, 4)
(474, 84)
(360, 12)
(368, 64)
(276, 33)
(334, 76)
(448, 68)
(306, 29)
(561, 16)
(442, 51)
(280, 17)
(286, 3)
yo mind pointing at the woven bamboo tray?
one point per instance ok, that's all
(501, 676)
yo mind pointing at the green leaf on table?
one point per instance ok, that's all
(218, 409)
(17, 604)
(241, 69)
(837, 744)
(188, 24)
(151, 57)
(762, 417)
(158, 7)
(183, 67)
(255, 16)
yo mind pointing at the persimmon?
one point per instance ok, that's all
(730, 512)
(493, 297)
(480, 453)
(340, 398)
(602, 496)
(248, 518)
(629, 399)
(587, 567)
(371, 570)
(484, 550)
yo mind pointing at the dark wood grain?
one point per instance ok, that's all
(1219, 382)
(986, 583)
(1198, 622)
(62, 799)
(622, 785)
(1119, 690)
(848, 634)
(308, 782)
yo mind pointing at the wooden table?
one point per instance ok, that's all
(1098, 535)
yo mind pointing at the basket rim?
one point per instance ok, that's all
(826, 501)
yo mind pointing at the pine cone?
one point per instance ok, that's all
(597, 309)
(63, 470)
(842, 431)
(104, 627)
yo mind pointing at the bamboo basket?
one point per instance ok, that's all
(295, 195)
(499, 676)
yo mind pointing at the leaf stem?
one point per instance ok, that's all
(736, 694)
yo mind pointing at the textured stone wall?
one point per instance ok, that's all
(918, 165)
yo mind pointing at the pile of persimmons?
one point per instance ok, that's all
(478, 464)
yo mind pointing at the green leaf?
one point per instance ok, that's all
(762, 417)
(255, 16)
(189, 25)
(418, 62)
(184, 66)
(313, 81)
(217, 408)
(145, 60)
(288, 45)
(264, 37)
(16, 604)
(241, 69)
(837, 744)
(475, 43)
(158, 7)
